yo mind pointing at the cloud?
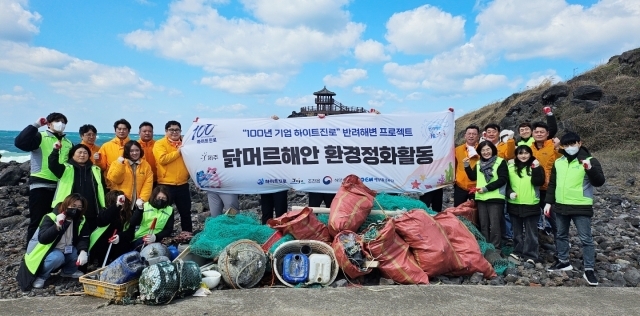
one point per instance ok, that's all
(522, 29)
(424, 30)
(484, 82)
(378, 97)
(345, 78)
(252, 83)
(538, 78)
(16, 22)
(414, 96)
(16, 97)
(295, 102)
(370, 51)
(324, 15)
(233, 108)
(68, 75)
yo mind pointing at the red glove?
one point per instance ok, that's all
(473, 190)
(41, 122)
(535, 164)
(450, 109)
(321, 115)
(547, 111)
(57, 145)
(586, 164)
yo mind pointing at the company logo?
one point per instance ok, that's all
(313, 180)
(260, 181)
(297, 181)
(327, 180)
(203, 133)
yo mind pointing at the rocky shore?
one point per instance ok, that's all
(616, 230)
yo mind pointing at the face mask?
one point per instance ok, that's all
(58, 126)
(571, 150)
(160, 203)
(72, 213)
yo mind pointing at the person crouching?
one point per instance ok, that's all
(116, 218)
(158, 208)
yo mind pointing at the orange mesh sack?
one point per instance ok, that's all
(396, 262)
(428, 242)
(465, 246)
(345, 242)
(302, 224)
(351, 206)
(467, 210)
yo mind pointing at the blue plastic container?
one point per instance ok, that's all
(173, 252)
(295, 268)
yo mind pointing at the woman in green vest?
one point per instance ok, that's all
(491, 175)
(61, 241)
(159, 208)
(525, 178)
(115, 217)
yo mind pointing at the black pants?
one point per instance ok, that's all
(315, 199)
(491, 217)
(433, 199)
(40, 200)
(181, 197)
(461, 195)
(525, 236)
(273, 201)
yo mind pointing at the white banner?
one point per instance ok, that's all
(389, 152)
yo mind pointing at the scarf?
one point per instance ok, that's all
(176, 143)
(486, 167)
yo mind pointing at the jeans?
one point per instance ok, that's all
(491, 218)
(433, 199)
(506, 224)
(583, 226)
(56, 259)
(525, 242)
(181, 197)
(220, 201)
(273, 201)
(315, 199)
(40, 200)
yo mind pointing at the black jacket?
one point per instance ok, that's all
(521, 210)
(111, 216)
(503, 178)
(29, 139)
(594, 175)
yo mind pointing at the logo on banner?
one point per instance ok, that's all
(435, 129)
(327, 180)
(297, 181)
(203, 134)
(260, 181)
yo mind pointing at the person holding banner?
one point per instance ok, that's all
(468, 150)
(491, 174)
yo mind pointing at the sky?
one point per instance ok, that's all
(146, 60)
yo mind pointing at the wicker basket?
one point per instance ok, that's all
(116, 292)
(295, 246)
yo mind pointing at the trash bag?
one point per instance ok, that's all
(467, 210)
(302, 224)
(351, 206)
(158, 284)
(347, 247)
(125, 268)
(428, 242)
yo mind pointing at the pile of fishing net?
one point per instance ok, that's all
(162, 282)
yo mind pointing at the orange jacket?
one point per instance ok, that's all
(507, 151)
(462, 180)
(109, 152)
(169, 163)
(94, 149)
(121, 177)
(148, 155)
(547, 156)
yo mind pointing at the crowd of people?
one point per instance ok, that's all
(85, 198)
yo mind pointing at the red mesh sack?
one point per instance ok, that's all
(396, 262)
(302, 224)
(467, 210)
(428, 242)
(349, 268)
(351, 206)
(465, 246)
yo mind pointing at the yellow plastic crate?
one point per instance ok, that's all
(116, 292)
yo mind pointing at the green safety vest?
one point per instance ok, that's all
(46, 146)
(33, 258)
(572, 184)
(148, 215)
(65, 185)
(528, 142)
(481, 183)
(527, 194)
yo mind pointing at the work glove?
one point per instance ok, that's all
(321, 115)
(535, 164)
(96, 156)
(547, 111)
(374, 111)
(506, 135)
(115, 239)
(586, 164)
(466, 162)
(513, 195)
(473, 190)
(121, 159)
(511, 162)
(471, 151)
(57, 145)
(60, 220)
(483, 138)
(274, 117)
(40, 122)
(139, 203)
(547, 210)
(450, 109)
(82, 258)
(149, 238)
(120, 200)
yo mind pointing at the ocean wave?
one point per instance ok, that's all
(12, 156)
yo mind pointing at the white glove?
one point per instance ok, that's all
(483, 138)
(149, 238)
(510, 162)
(506, 135)
(121, 159)
(57, 145)
(321, 115)
(535, 164)
(115, 239)
(547, 111)
(120, 200)
(471, 151)
(60, 220)
(96, 156)
(586, 164)
(547, 210)
(139, 203)
(513, 195)
(82, 258)
(40, 122)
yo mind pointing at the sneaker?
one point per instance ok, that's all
(560, 266)
(590, 276)
(514, 256)
(74, 275)
(38, 283)
(531, 261)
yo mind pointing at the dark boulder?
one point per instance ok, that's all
(553, 93)
(588, 92)
(11, 175)
(587, 105)
(631, 57)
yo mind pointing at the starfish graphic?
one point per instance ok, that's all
(422, 177)
(415, 184)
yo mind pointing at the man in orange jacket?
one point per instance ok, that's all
(468, 149)
(113, 149)
(146, 142)
(173, 173)
(88, 134)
